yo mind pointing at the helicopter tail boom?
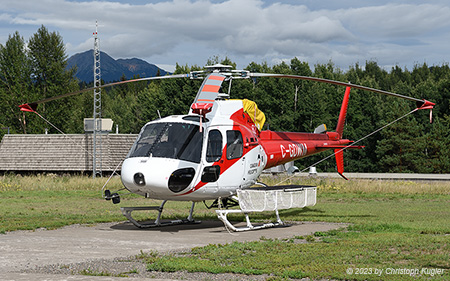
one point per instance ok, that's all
(288, 146)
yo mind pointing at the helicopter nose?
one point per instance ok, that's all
(157, 177)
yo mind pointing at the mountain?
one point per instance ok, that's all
(111, 69)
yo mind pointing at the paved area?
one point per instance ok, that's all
(57, 277)
(25, 250)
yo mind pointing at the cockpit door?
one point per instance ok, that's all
(222, 161)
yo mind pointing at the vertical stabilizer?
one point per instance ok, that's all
(339, 153)
(343, 113)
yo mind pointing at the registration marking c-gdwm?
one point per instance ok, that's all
(294, 150)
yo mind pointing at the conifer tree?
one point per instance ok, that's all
(50, 78)
(15, 83)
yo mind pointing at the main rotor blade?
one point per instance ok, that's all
(33, 105)
(421, 104)
(335, 83)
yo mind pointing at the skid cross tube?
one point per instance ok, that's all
(126, 211)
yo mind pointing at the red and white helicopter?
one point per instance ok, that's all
(217, 151)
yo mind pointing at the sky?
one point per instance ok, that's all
(189, 32)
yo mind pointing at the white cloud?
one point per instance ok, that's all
(186, 31)
(404, 20)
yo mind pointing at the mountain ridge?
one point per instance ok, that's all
(111, 69)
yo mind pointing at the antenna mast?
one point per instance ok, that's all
(97, 137)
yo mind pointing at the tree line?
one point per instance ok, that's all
(34, 70)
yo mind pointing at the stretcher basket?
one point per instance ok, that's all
(269, 198)
(276, 198)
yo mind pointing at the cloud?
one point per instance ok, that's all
(394, 21)
(262, 30)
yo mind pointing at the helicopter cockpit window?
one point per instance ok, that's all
(235, 145)
(169, 140)
(214, 148)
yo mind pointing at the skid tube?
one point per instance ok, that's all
(222, 215)
(126, 211)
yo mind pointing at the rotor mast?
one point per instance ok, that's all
(96, 136)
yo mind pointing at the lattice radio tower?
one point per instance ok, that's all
(97, 137)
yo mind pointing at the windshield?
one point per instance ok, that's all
(169, 140)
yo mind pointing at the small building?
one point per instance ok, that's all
(61, 153)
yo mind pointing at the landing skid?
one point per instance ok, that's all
(268, 198)
(126, 211)
(222, 215)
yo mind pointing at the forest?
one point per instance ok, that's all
(36, 69)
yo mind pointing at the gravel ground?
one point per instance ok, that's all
(133, 268)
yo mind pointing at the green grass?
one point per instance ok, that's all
(391, 234)
(395, 228)
(33, 202)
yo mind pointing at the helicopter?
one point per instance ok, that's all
(218, 150)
